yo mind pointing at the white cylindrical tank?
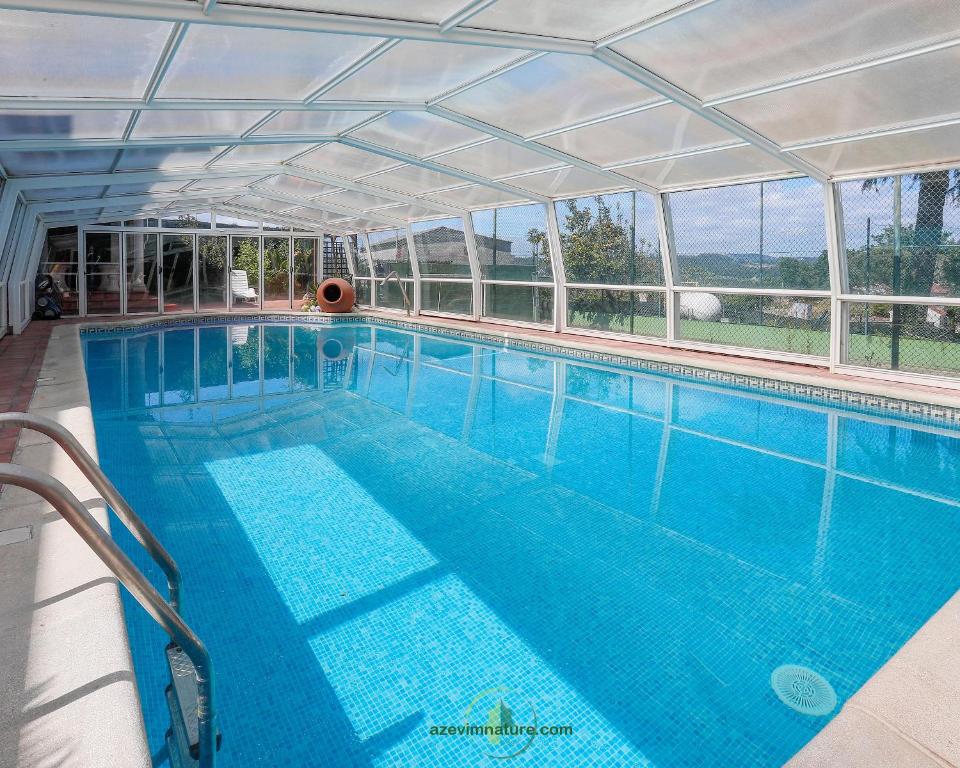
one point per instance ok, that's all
(700, 306)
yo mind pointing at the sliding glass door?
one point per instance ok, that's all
(177, 274)
(143, 289)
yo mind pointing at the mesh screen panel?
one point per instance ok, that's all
(512, 243)
(446, 297)
(765, 235)
(922, 338)
(388, 249)
(641, 313)
(441, 247)
(610, 239)
(915, 253)
(526, 303)
(782, 323)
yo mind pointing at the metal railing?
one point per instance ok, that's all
(403, 290)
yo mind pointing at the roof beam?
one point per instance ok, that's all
(140, 177)
(650, 23)
(365, 60)
(78, 104)
(97, 202)
(468, 11)
(68, 145)
(307, 21)
(673, 92)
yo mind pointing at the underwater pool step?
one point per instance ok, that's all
(183, 740)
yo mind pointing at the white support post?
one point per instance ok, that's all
(351, 259)
(470, 236)
(557, 268)
(837, 262)
(415, 266)
(668, 256)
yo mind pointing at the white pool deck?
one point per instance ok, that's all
(67, 691)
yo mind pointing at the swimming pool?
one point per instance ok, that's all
(384, 532)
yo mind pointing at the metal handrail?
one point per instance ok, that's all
(80, 519)
(403, 290)
(105, 488)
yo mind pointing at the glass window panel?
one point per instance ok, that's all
(361, 256)
(783, 323)
(227, 221)
(766, 235)
(216, 60)
(453, 298)
(51, 55)
(634, 312)
(441, 247)
(256, 154)
(189, 122)
(799, 38)
(55, 163)
(921, 338)
(187, 221)
(362, 288)
(512, 243)
(551, 92)
(345, 161)
(306, 268)
(610, 239)
(212, 272)
(245, 259)
(419, 70)
(276, 273)
(177, 274)
(388, 249)
(103, 273)
(417, 133)
(271, 227)
(60, 261)
(56, 124)
(143, 288)
(148, 158)
(389, 294)
(724, 165)
(312, 122)
(917, 254)
(525, 303)
(913, 89)
(566, 18)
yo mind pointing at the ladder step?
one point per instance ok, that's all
(182, 702)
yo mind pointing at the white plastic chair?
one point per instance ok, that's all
(240, 286)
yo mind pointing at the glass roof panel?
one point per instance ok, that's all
(922, 87)
(417, 133)
(255, 201)
(309, 212)
(49, 163)
(726, 165)
(359, 200)
(408, 211)
(67, 193)
(657, 131)
(722, 47)
(292, 185)
(315, 122)
(189, 122)
(566, 18)
(902, 150)
(54, 55)
(433, 11)
(345, 161)
(260, 154)
(142, 189)
(550, 92)
(249, 63)
(143, 158)
(498, 158)
(415, 180)
(474, 196)
(224, 182)
(565, 182)
(416, 70)
(57, 124)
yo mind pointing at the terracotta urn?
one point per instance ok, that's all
(335, 295)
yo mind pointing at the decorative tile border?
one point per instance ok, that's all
(941, 415)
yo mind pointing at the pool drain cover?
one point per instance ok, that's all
(803, 689)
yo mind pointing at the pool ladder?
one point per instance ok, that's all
(403, 289)
(193, 739)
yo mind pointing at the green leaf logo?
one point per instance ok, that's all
(499, 715)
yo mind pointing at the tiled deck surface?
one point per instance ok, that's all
(20, 360)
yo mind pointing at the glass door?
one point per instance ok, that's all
(244, 272)
(305, 272)
(102, 276)
(212, 272)
(276, 273)
(143, 290)
(176, 275)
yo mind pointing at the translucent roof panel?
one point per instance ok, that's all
(142, 189)
(255, 201)
(359, 200)
(566, 18)
(417, 133)
(474, 196)
(145, 158)
(921, 87)
(722, 47)
(433, 11)
(53, 55)
(408, 211)
(499, 158)
(658, 131)
(47, 163)
(298, 123)
(415, 180)
(224, 182)
(725, 165)
(67, 193)
(416, 70)
(250, 63)
(188, 122)
(261, 154)
(565, 182)
(345, 161)
(311, 212)
(297, 187)
(550, 92)
(57, 124)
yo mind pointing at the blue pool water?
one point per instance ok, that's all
(382, 531)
